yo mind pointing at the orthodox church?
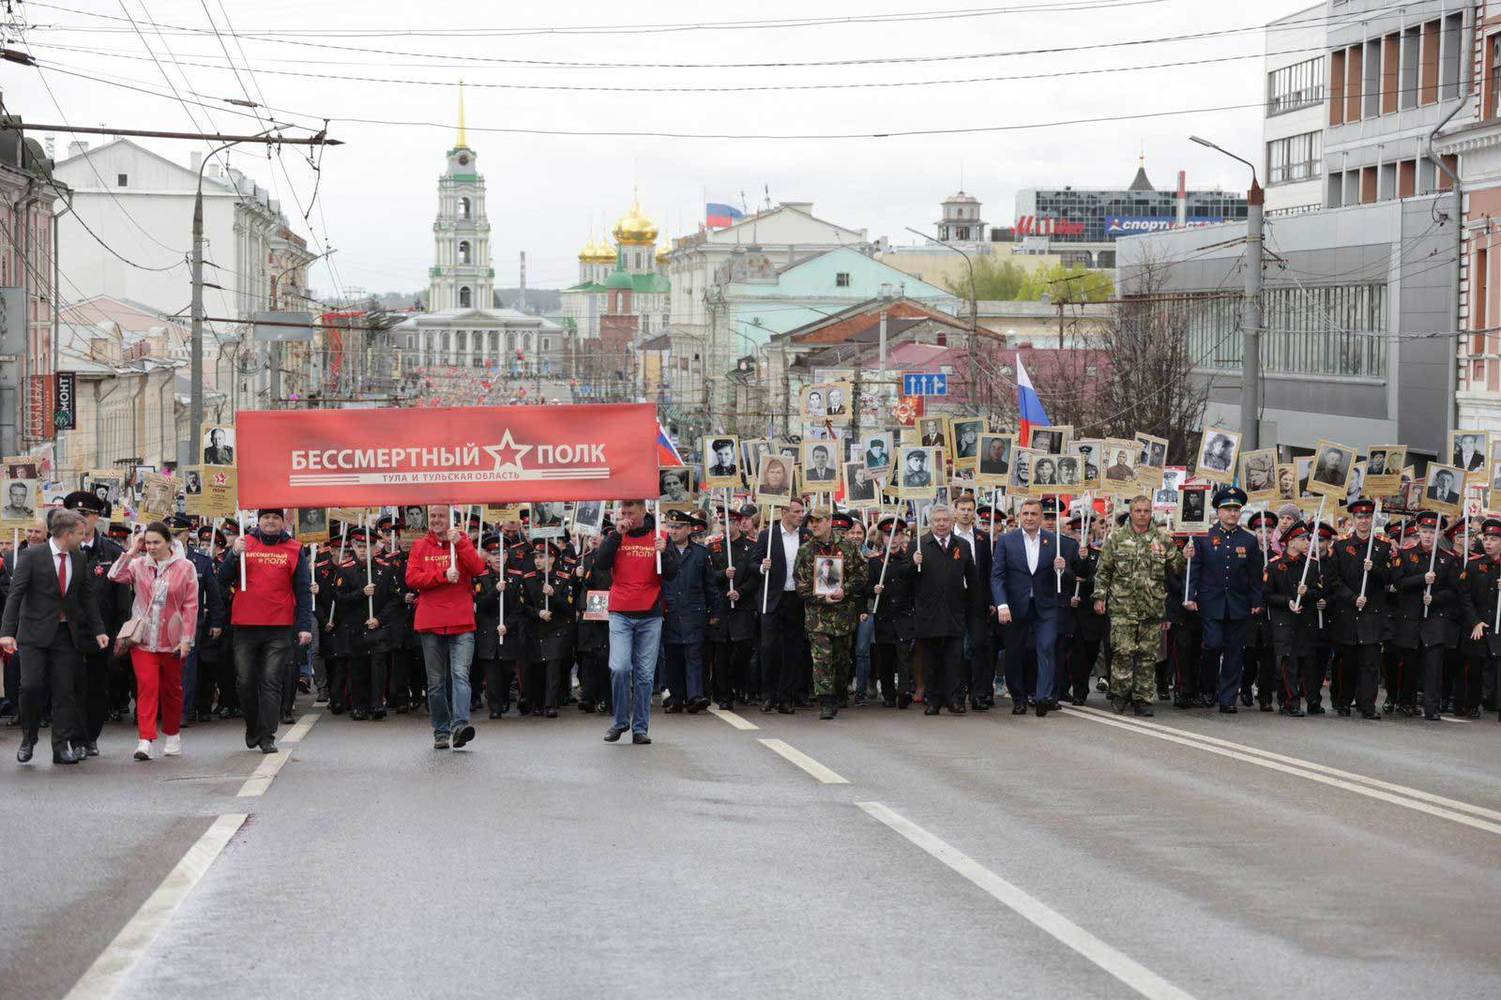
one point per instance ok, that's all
(623, 286)
(461, 328)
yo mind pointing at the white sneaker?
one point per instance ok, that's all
(143, 750)
(174, 745)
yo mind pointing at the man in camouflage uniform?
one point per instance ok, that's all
(831, 616)
(1130, 587)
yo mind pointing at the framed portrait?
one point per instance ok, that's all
(414, 517)
(877, 451)
(23, 498)
(826, 403)
(216, 491)
(1443, 488)
(1217, 455)
(1045, 471)
(1258, 474)
(820, 466)
(1193, 507)
(105, 484)
(966, 433)
(828, 575)
(503, 514)
(1332, 466)
(1287, 481)
(994, 465)
(311, 524)
(1023, 460)
(1068, 471)
(159, 495)
(1120, 458)
(1304, 465)
(721, 461)
(1052, 440)
(1383, 468)
(1356, 486)
(774, 481)
(588, 516)
(19, 468)
(1087, 450)
(218, 444)
(933, 432)
(597, 606)
(750, 457)
(919, 472)
(1469, 451)
(674, 484)
(1152, 459)
(547, 519)
(859, 485)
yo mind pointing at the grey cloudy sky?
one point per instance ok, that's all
(546, 193)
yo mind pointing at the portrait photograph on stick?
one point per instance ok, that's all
(1052, 440)
(1468, 451)
(675, 484)
(919, 472)
(1258, 474)
(721, 461)
(828, 575)
(966, 439)
(774, 485)
(995, 459)
(820, 467)
(1443, 488)
(1332, 465)
(1217, 453)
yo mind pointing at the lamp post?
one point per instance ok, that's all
(1250, 360)
(974, 314)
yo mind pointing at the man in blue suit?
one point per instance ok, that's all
(1028, 578)
(1224, 587)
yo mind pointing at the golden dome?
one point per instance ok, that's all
(597, 253)
(662, 252)
(635, 229)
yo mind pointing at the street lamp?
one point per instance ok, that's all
(1250, 360)
(974, 313)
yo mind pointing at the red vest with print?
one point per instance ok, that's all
(267, 598)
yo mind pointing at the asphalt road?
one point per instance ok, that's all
(1081, 855)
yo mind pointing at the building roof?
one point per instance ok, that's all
(1140, 182)
(847, 324)
(477, 317)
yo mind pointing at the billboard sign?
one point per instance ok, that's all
(1129, 225)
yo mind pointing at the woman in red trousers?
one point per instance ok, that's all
(163, 619)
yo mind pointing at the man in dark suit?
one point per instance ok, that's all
(114, 601)
(943, 580)
(53, 616)
(1029, 573)
(784, 644)
(979, 649)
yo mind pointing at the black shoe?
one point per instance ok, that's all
(1431, 716)
(903, 700)
(768, 706)
(612, 735)
(551, 713)
(1387, 707)
(1143, 709)
(1343, 711)
(24, 751)
(693, 707)
(931, 708)
(826, 709)
(980, 706)
(1317, 709)
(378, 714)
(1042, 709)
(726, 706)
(64, 753)
(1370, 714)
(287, 718)
(1228, 710)
(673, 709)
(1292, 711)
(358, 715)
(784, 709)
(1101, 686)
(1245, 698)
(957, 708)
(1019, 708)
(91, 749)
(465, 733)
(1078, 700)
(336, 709)
(440, 742)
(1118, 704)
(640, 739)
(268, 745)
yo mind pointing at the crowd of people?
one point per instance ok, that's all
(174, 623)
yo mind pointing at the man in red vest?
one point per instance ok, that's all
(275, 601)
(630, 554)
(441, 568)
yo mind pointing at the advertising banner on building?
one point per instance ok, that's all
(65, 398)
(1126, 225)
(477, 454)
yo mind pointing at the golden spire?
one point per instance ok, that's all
(463, 142)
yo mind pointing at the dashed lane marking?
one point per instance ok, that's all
(805, 762)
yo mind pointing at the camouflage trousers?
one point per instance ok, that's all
(1134, 649)
(831, 662)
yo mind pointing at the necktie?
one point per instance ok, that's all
(62, 572)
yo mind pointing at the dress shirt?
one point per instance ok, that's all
(790, 541)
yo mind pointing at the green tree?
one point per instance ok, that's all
(995, 279)
(1068, 284)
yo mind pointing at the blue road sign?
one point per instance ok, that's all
(925, 384)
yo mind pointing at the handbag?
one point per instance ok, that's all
(129, 635)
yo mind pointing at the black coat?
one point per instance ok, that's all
(1343, 572)
(592, 637)
(1481, 585)
(550, 640)
(688, 596)
(1441, 625)
(352, 608)
(738, 623)
(943, 590)
(1294, 634)
(895, 621)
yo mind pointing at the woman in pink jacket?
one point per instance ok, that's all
(166, 615)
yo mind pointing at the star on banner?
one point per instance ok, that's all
(507, 452)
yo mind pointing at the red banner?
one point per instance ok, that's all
(475, 454)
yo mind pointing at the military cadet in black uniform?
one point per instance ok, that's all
(1426, 637)
(488, 663)
(1195, 679)
(1225, 589)
(365, 605)
(1358, 573)
(1294, 585)
(1259, 669)
(592, 638)
(1482, 640)
(408, 681)
(896, 628)
(732, 629)
(1089, 628)
(549, 596)
(1321, 550)
(92, 679)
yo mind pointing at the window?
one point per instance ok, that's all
(121, 180)
(1296, 158)
(1493, 77)
(1333, 330)
(1296, 86)
(1372, 82)
(1429, 65)
(466, 297)
(1391, 47)
(494, 339)
(1408, 97)
(1355, 59)
(842, 279)
(464, 254)
(464, 207)
(1337, 88)
(1449, 68)
(461, 341)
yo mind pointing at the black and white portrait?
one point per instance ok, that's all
(774, 485)
(1048, 439)
(1088, 452)
(20, 500)
(934, 431)
(1120, 461)
(859, 485)
(828, 575)
(1258, 473)
(820, 471)
(219, 446)
(877, 449)
(1045, 472)
(1443, 487)
(675, 484)
(312, 523)
(547, 519)
(414, 517)
(1330, 475)
(192, 483)
(995, 455)
(920, 471)
(721, 465)
(588, 515)
(1468, 450)
(1153, 451)
(967, 440)
(1068, 470)
(1217, 454)
(1192, 507)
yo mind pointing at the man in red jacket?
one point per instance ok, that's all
(441, 567)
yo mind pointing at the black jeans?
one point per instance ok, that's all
(1358, 672)
(784, 647)
(367, 680)
(261, 655)
(893, 668)
(943, 663)
(731, 669)
(53, 667)
(497, 675)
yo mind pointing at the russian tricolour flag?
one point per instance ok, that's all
(667, 453)
(718, 215)
(1028, 405)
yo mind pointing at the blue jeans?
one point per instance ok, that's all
(634, 645)
(447, 656)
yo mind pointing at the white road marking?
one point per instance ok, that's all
(104, 977)
(742, 724)
(805, 762)
(1135, 975)
(1310, 772)
(298, 731)
(1412, 793)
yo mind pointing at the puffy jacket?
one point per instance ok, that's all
(443, 607)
